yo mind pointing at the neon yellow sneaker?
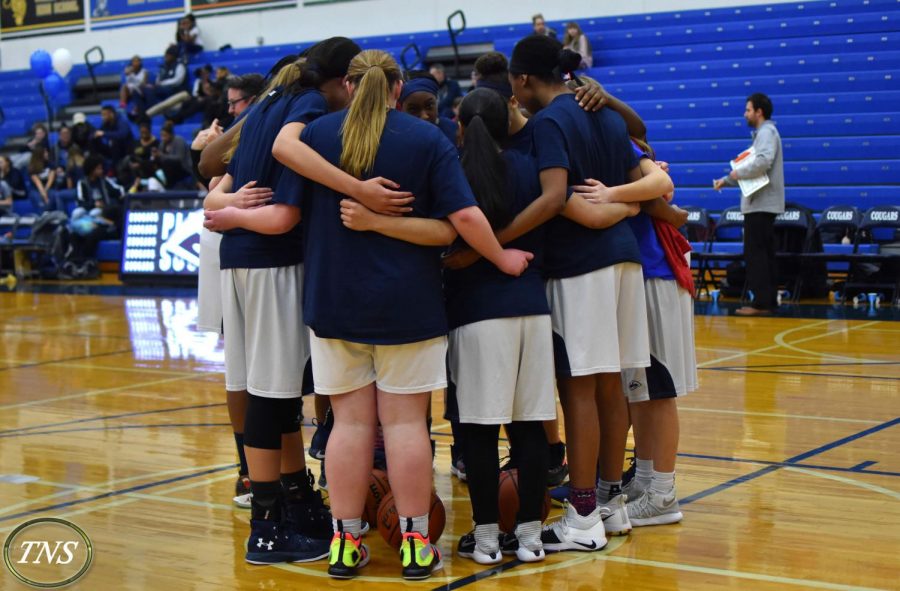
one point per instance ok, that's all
(346, 556)
(419, 557)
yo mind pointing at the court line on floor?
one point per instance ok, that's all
(788, 365)
(779, 339)
(848, 481)
(65, 334)
(8, 508)
(53, 361)
(777, 415)
(117, 427)
(800, 328)
(790, 461)
(117, 493)
(143, 370)
(801, 373)
(91, 393)
(110, 417)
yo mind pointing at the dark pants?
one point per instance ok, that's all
(759, 256)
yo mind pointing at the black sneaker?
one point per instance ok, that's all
(308, 515)
(468, 548)
(320, 437)
(271, 542)
(509, 544)
(323, 482)
(559, 469)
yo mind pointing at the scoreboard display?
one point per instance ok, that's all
(161, 238)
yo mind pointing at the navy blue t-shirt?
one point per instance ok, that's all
(449, 127)
(253, 161)
(588, 145)
(363, 286)
(482, 291)
(653, 257)
(523, 140)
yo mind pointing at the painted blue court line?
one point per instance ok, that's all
(861, 467)
(116, 493)
(116, 428)
(788, 462)
(109, 417)
(813, 364)
(802, 373)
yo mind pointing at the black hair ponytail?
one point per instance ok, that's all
(568, 63)
(485, 117)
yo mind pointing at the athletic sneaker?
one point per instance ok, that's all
(530, 548)
(629, 474)
(633, 490)
(560, 495)
(419, 557)
(457, 466)
(346, 556)
(242, 494)
(468, 548)
(615, 516)
(575, 532)
(323, 482)
(655, 509)
(320, 437)
(559, 469)
(309, 516)
(271, 542)
(509, 544)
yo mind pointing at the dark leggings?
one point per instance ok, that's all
(529, 453)
(270, 418)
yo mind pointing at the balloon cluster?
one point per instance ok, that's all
(52, 70)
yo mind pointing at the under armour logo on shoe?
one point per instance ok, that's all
(267, 545)
(634, 385)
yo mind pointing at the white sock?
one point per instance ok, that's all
(418, 525)
(350, 526)
(529, 535)
(643, 472)
(662, 483)
(606, 490)
(486, 537)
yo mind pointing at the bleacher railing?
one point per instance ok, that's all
(91, 64)
(454, 33)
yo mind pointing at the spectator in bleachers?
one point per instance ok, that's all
(539, 25)
(12, 185)
(82, 132)
(577, 41)
(42, 179)
(98, 191)
(448, 90)
(242, 91)
(114, 139)
(63, 143)
(38, 139)
(74, 165)
(760, 207)
(207, 97)
(173, 156)
(137, 81)
(222, 73)
(148, 178)
(187, 37)
(146, 144)
(171, 79)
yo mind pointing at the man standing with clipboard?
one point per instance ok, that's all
(759, 172)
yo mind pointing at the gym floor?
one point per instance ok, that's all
(113, 417)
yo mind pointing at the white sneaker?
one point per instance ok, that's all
(655, 509)
(243, 501)
(634, 489)
(530, 548)
(615, 516)
(468, 548)
(574, 532)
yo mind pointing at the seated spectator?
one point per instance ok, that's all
(148, 177)
(206, 97)
(187, 38)
(539, 25)
(113, 140)
(74, 166)
(223, 73)
(12, 184)
(42, 180)
(82, 132)
(171, 79)
(88, 228)
(448, 90)
(38, 139)
(137, 82)
(63, 144)
(577, 41)
(147, 142)
(173, 156)
(97, 191)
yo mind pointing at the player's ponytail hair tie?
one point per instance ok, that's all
(543, 56)
(568, 63)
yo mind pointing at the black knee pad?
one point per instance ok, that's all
(269, 418)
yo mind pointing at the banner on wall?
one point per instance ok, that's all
(218, 6)
(23, 18)
(107, 13)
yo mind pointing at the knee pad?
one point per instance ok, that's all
(269, 418)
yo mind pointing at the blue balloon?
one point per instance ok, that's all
(54, 85)
(41, 63)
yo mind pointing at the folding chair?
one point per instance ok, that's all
(698, 231)
(794, 231)
(880, 226)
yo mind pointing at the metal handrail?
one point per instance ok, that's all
(90, 66)
(416, 51)
(453, 35)
(2, 117)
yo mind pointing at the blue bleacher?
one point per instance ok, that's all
(831, 67)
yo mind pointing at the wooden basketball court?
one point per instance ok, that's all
(112, 415)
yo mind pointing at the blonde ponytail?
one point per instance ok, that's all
(374, 73)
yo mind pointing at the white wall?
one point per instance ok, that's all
(353, 19)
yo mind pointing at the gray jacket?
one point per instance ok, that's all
(769, 159)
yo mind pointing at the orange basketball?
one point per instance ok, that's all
(378, 488)
(508, 501)
(389, 521)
